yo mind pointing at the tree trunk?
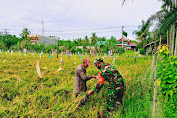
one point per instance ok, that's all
(167, 39)
(175, 53)
(173, 38)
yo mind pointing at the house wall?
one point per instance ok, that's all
(87, 47)
(81, 47)
(120, 45)
(47, 40)
(43, 39)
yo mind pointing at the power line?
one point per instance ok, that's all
(89, 29)
(74, 32)
(70, 33)
(96, 28)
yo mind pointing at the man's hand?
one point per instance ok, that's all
(96, 77)
(90, 92)
(93, 76)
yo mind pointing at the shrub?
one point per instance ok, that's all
(105, 49)
(167, 77)
(73, 49)
(2, 45)
(79, 50)
(142, 51)
(119, 50)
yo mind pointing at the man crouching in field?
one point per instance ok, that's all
(81, 78)
(110, 74)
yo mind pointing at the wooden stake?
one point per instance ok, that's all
(38, 69)
(155, 82)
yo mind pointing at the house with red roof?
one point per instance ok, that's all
(126, 44)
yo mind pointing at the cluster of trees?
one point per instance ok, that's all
(166, 27)
(11, 42)
(103, 46)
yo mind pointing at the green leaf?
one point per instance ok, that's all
(170, 57)
(166, 77)
(174, 70)
(170, 71)
(174, 57)
(171, 92)
(171, 62)
(171, 75)
(166, 52)
(171, 81)
(163, 56)
(175, 61)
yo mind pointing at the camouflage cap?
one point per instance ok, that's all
(98, 60)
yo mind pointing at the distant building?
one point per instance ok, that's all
(33, 38)
(126, 44)
(80, 47)
(43, 39)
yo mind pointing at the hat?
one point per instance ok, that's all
(98, 60)
(87, 61)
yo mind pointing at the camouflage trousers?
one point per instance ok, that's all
(113, 100)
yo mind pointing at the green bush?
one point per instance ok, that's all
(119, 50)
(73, 49)
(167, 75)
(105, 49)
(2, 45)
(59, 50)
(142, 51)
(79, 50)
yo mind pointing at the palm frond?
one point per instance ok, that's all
(169, 18)
(123, 2)
(158, 16)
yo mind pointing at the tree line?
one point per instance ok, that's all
(11, 42)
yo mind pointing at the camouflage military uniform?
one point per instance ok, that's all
(115, 89)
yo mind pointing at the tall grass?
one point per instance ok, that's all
(23, 94)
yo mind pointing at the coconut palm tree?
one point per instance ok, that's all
(143, 32)
(86, 40)
(93, 39)
(25, 33)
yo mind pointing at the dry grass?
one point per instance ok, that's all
(24, 94)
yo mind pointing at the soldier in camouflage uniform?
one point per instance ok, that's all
(116, 85)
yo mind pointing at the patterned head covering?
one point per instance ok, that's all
(98, 60)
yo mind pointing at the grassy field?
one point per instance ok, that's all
(24, 94)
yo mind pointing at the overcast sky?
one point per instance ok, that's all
(70, 19)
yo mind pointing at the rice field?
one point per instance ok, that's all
(24, 94)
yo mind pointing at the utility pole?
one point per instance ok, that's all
(5, 31)
(42, 28)
(122, 35)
